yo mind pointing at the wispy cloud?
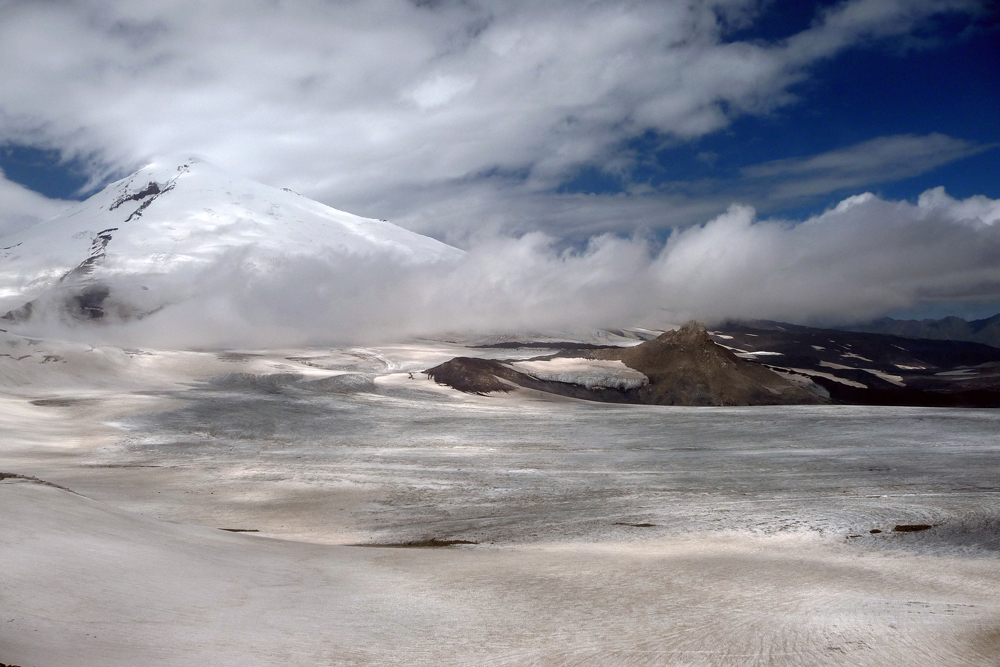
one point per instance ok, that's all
(879, 160)
(366, 105)
(460, 118)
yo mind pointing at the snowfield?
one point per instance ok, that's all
(155, 234)
(591, 373)
(587, 534)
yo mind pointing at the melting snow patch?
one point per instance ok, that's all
(829, 376)
(591, 373)
(894, 379)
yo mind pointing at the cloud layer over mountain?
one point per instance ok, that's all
(446, 116)
(462, 119)
(856, 261)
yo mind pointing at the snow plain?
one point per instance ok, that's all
(607, 534)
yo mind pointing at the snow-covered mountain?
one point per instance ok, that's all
(123, 251)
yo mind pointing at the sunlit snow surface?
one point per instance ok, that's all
(591, 373)
(428, 461)
(607, 534)
(195, 217)
(515, 469)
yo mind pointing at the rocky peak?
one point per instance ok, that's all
(686, 367)
(691, 333)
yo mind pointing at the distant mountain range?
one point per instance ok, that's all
(863, 368)
(747, 363)
(985, 331)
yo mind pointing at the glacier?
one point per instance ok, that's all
(151, 239)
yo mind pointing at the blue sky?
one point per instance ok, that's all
(939, 82)
(466, 120)
(44, 171)
(946, 85)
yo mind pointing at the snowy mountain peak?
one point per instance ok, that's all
(128, 248)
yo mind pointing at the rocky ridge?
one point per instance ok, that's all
(683, 367)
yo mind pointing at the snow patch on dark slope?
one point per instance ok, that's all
(985, 331)
(872, 369)
(686, 367)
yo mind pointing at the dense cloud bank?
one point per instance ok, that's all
(861, 259)
(858, 260)
(445, 116)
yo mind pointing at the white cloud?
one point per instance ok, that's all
(879, 160)
(20, 207)
(440, 90)
(371, 105)
(975, 209)
(458, 119)
(856, 261)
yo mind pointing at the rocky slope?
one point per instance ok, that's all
(683, 367)
(985, 331)
(872, 369)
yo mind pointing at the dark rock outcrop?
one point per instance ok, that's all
(471, 375)
(483, 376)
(874, 369)
(83, 301)
(685, 367)
(985, 331)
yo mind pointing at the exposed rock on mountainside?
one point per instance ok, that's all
(872, 369)
(986, 331)
(483, 376)
(683, 367)
(472, 375)
(754, 363)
